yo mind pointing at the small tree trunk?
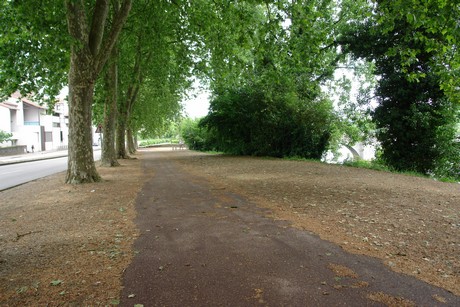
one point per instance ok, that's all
(109, 156)
(136, 146)
(130, 137)
(121, 136)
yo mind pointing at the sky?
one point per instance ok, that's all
(198, 106)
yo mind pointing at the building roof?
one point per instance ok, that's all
(9, 105)
(33, 104)
(27, 100)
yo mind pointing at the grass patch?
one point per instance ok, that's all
(297, 158)
(368, 165)
(374, 165)
(213, 152)
(149, 142)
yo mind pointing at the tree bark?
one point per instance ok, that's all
(109, 156)
(89, 53)
(130, 137)
(121, 135)
(80, 166)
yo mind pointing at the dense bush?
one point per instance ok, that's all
(197, 137)
(247, 122)
(419, 137)
(415, 120)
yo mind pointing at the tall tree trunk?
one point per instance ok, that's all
(89, 53)
(80, 166)
(109, 156)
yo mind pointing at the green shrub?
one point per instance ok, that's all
(150, 142)
(247, 122)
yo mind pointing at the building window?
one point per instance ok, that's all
(48, 136)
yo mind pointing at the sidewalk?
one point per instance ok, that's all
(35, 156)
(40, 155)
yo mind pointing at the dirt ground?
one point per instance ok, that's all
(63, 244)
(68, 244)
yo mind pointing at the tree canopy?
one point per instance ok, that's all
(128, 64)
(416, 114)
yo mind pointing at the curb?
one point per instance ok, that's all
(31, 159)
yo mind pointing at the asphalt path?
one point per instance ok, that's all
(201, 245)
(12, 175)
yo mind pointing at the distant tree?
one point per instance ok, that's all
(268, 82)
(154, 67)
(110, 112)
(197, 137)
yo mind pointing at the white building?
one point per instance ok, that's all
(31, 126)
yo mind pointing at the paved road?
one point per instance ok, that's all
(201, 246)
(12, 175)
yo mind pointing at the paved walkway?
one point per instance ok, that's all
(40, 155)
(35, 156)
(205, 247)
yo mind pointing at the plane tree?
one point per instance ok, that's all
(155, 68)
(50, 38)
(90, 51)
(435, 26)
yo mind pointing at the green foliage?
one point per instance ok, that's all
(149, 142)
(267, 81)
(34, 47)
(352, 105)
(155, 60)
(247, 122)
(5, 136)
(415, 119)
(433, 28)
(197, 137)
(374, 165)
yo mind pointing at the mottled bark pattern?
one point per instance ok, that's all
(89, 53)
(80, 166)
(121, 136)
(109, 157)
(130, 140)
